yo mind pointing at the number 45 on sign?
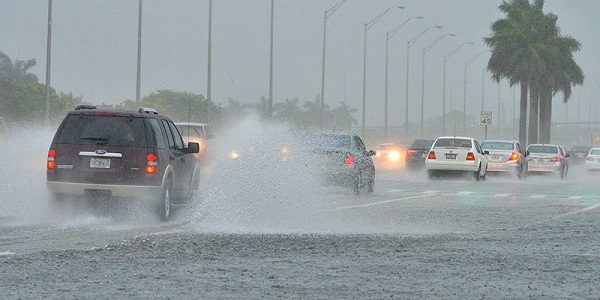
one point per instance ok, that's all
(486, 118)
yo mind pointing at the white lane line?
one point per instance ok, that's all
(502, 195)
(575, 197)
(430, 192)
(394, 191)
(538, 196)
(381, 202)
(465, 193)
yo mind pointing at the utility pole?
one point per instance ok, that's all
(139, 55)
(48, 59)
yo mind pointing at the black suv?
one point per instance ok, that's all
(118, 153)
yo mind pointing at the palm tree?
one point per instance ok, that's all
(564, 73)
(512, 57)
(288, 111)
(527, 48)
(17, 71)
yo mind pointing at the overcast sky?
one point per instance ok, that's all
(94, 48)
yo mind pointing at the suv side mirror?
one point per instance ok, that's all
(192, 147)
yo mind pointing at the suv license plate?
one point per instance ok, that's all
(450, 155)
(101, 163)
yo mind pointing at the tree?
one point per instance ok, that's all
(527, 49)
(17, 71)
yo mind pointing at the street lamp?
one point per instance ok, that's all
(209, 65)
(408, 45)
(425, 50)
(467, 64)
(368, 26)
(48, 60)
(271, 63)
(388, 36)
(446, 57)
(328, 13)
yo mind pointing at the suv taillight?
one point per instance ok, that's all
(50, 164)
(151, 165)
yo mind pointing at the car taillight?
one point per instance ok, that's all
(514, 156)
(50, 162)
(349, 160)
(410, 152)
(151, 165)
(431, 155)
(470, 156)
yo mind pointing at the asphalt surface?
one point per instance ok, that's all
(275, 236)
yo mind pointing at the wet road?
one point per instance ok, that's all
(412, 238)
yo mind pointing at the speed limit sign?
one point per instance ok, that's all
(486, 118)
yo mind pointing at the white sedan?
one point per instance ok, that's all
(461, 154)
(592, 160)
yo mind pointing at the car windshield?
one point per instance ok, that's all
(497, 146)
(191, 131)
(103, 130)
(580, 149)
(340, 141)
(422, 144)
(453, 143)
(543, 149)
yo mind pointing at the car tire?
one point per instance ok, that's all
(431, 174)
(164, 204)
(477, 175)
(356, 185)
(371, 185)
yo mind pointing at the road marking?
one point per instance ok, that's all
(394, 191)
(502, 195)
(575, 197)
(465, 193)
(430, 192)
(538, 196)
(381, 202)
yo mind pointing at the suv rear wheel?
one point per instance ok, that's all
(164, 205)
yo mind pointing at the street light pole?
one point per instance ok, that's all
(139, 55)
(209, 65)
(327, 14)
(446, 58)
(368, 26)
(408, 45)
(48, 59)
(469, 62)
(425, 50)
(388, 36)
(271, 64)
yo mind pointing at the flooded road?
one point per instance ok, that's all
(412, 238)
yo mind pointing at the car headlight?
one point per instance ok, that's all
(394, 156)
(234, 154)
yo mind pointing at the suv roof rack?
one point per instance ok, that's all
(85, 106)
(147, 110)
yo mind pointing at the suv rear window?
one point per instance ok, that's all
(103, 130)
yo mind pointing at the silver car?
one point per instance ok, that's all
(506, 156)
(548, 158)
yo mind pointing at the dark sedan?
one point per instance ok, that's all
(416, 154)
(343, 160)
